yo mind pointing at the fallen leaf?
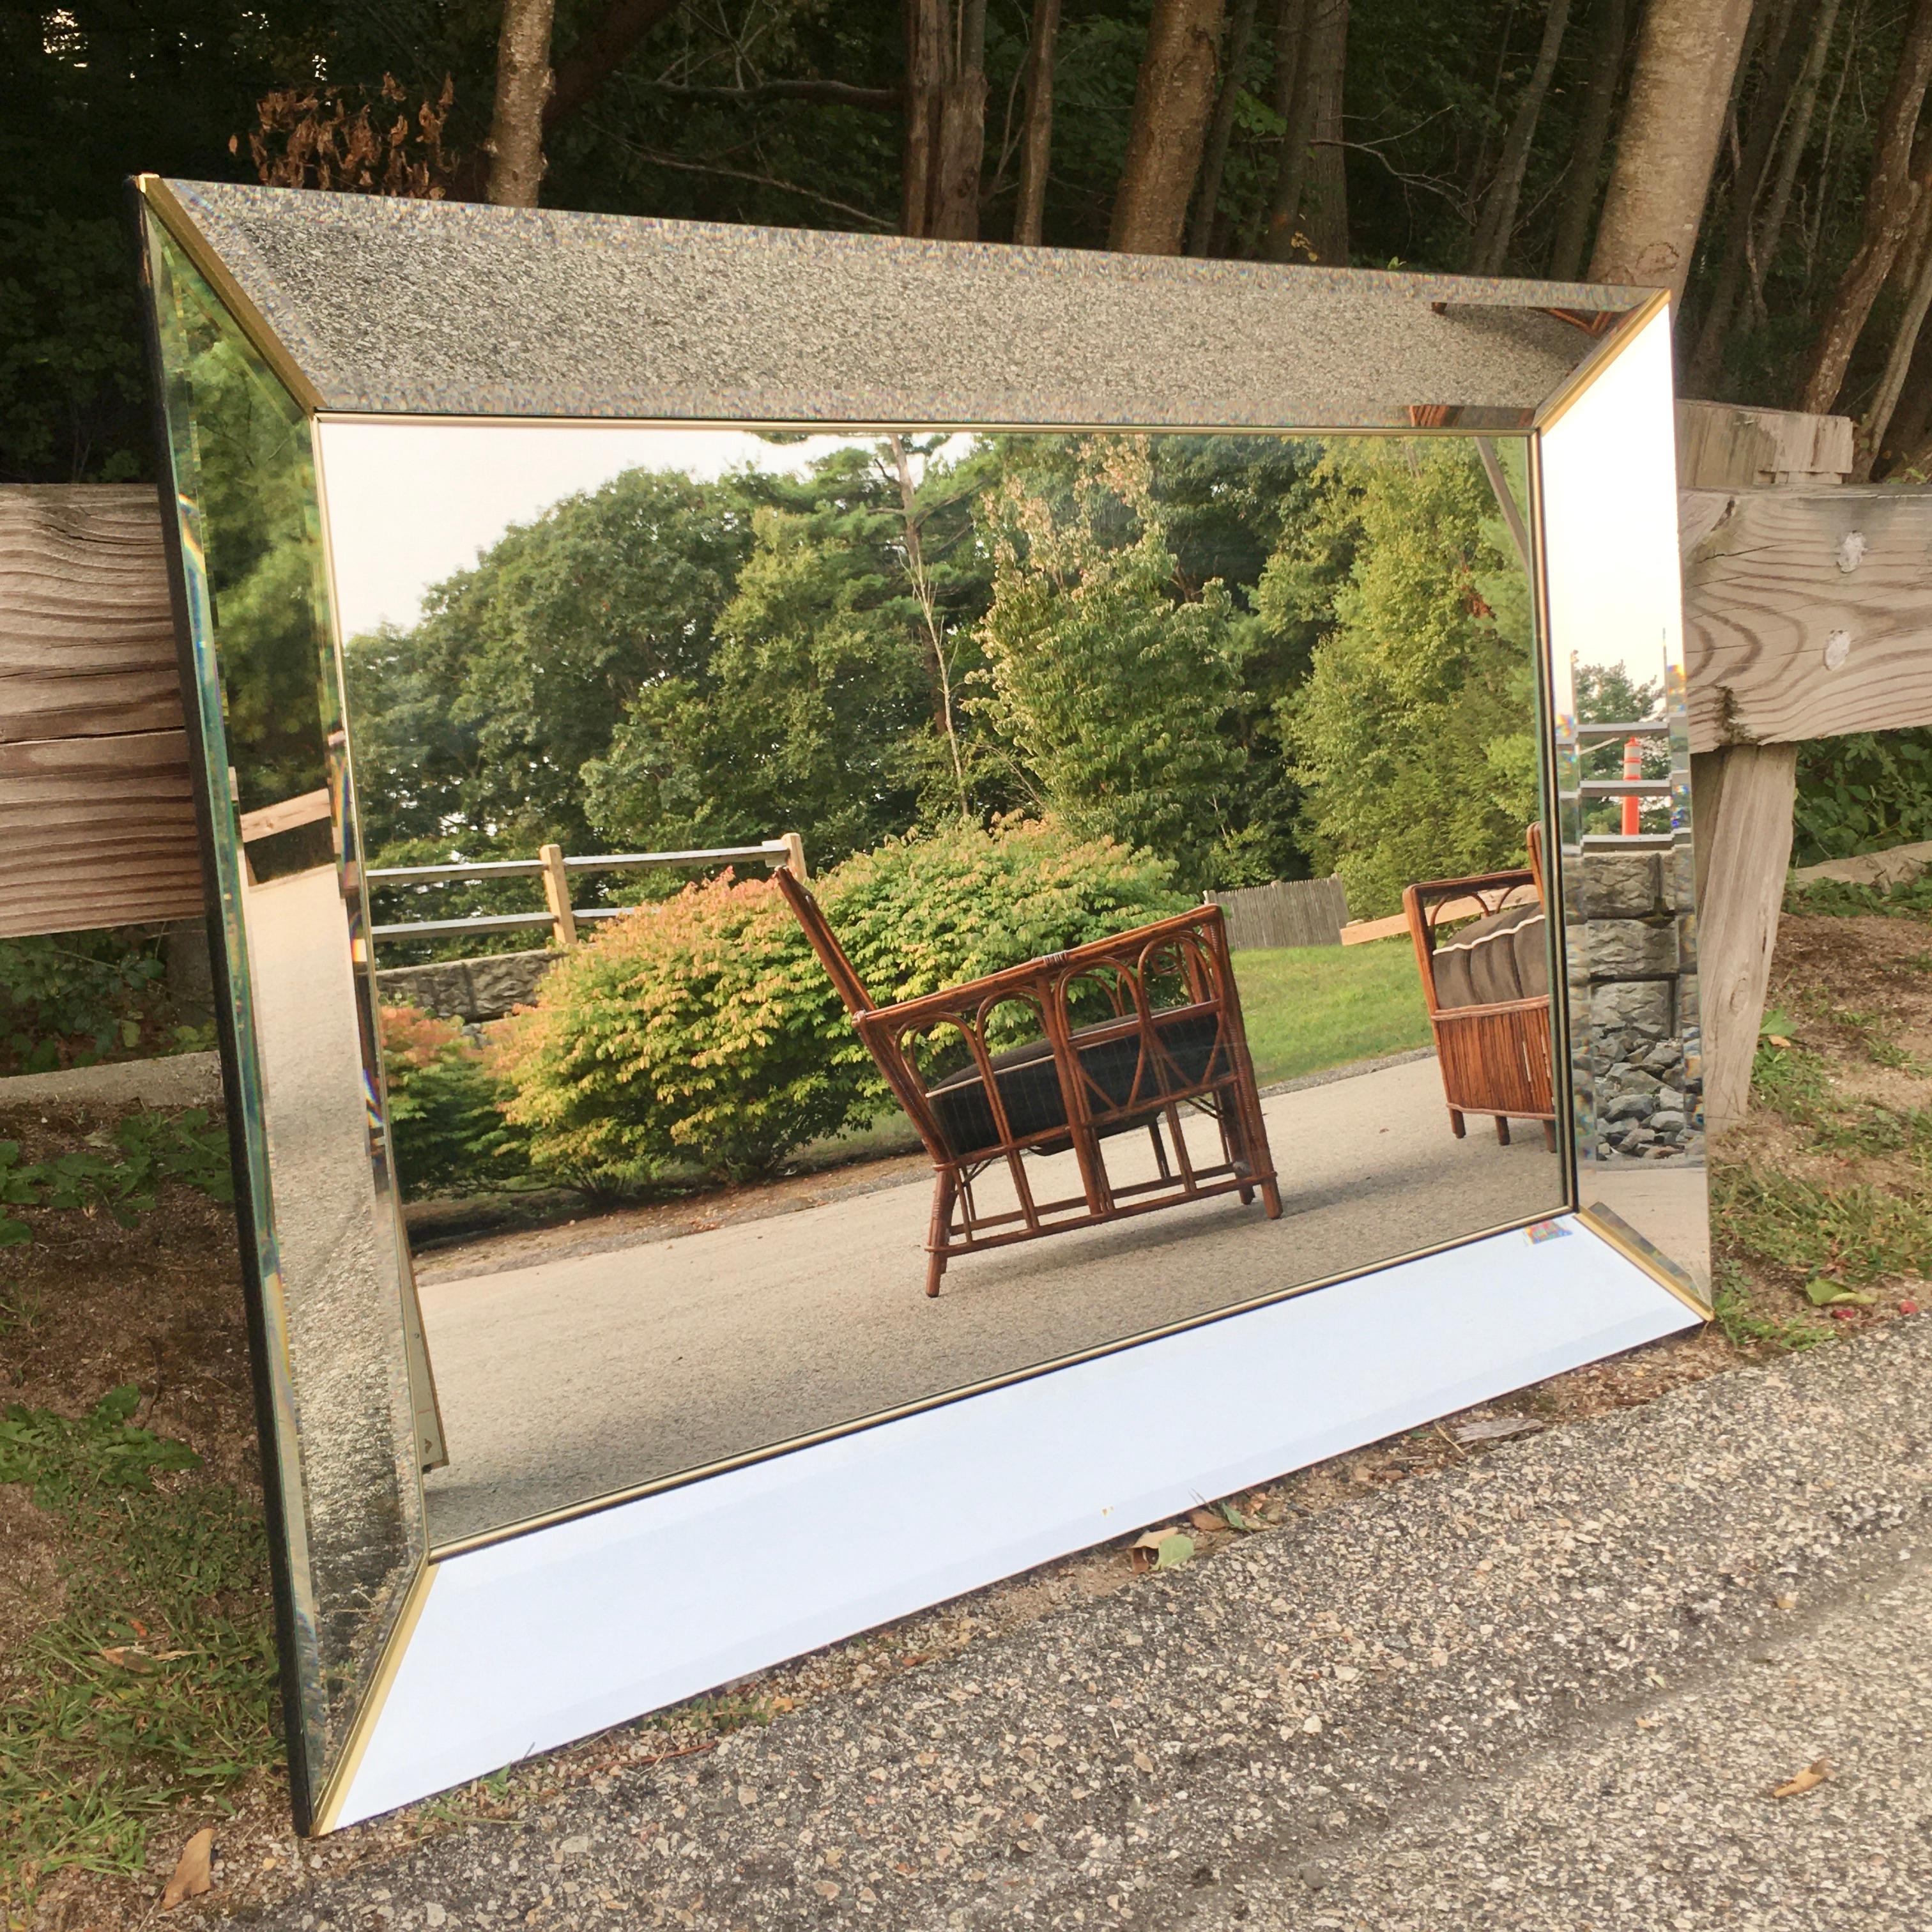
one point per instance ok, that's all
(1823, 1294)
(191, 1877)
(1815, 1772)
(1206, 1521)
(127, 1657)
(1908, 1307)
(1160, 1549)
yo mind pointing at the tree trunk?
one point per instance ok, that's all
(1785, 105)
(522, 86)
(1327, 176)
(1593, 136)
(1912, 421)
(1915, 265)
(1172, 100)
(945, 118)
(1890, 202)
(1498, 224)
(1036, 134)
(1680, 92)
(1220, 132)
(1296, 106)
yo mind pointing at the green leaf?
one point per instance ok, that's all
(1174, 1551)
(1776, 1021)
(1823, 1294)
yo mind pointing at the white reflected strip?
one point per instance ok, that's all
(525, 1645)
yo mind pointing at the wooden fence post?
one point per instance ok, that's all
(556, 893)
(794, 861)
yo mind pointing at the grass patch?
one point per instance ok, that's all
(1839, 898)
(1852, 1237)
(156, 1681)
(1308, 1008)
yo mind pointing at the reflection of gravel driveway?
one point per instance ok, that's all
(565, 1379)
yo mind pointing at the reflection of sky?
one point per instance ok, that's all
(1609, 487)
(410, 503)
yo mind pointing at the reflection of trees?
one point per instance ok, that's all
(1414, 737)
(259, 524)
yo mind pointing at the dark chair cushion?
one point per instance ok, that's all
(1504, 956)
(1029, 1082)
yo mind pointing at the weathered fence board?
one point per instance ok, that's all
(1287, 912)
(96, 826)
(1807, 613)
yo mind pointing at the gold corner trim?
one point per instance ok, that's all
(336, 1792)
(1610, 1227)
(1574, 386)
(166, 209)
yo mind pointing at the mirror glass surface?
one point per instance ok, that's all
(1608, 468)
(1159, 821)
(318, 1213)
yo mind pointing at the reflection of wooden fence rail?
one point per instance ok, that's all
(1288, 912)
(787, 850)
(1805, 616)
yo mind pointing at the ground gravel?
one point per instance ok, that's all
(1420, 1709)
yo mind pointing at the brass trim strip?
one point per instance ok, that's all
(394, 1645)
(592, 1506)
(1608, 1226)
(1572, 389)
(181, 230)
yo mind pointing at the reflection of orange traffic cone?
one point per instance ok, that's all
(1632, 768)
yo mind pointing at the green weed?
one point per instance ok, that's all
(1743, 1327)
(132, 1158)
(1838, 898)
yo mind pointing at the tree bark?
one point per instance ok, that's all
(1036, 133)
(1328, 175)
(1915, 273)
(1680, 92)
(594, 58)
(522, 86)
(1608, 41)
(1296, 106)
(1220, 132)
(1172, 100)
(1785, 105)
(1490, 245)
(945, 118)
(1891, 203)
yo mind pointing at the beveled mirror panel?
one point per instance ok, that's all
(1007, 699)
(945, 911)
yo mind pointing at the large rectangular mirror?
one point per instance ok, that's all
(1067, 952)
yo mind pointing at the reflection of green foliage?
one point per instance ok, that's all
(809, 712)
(1112, 689)
(1412, 738)
(702, 1035)
(446, 1117)
(255, 487)
(73, 998)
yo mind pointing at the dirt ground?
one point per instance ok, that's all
(88, 1306)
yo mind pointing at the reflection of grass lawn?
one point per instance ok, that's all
(1308, 1007)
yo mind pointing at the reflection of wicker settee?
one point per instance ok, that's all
(1172, 1038)
(1487, 984)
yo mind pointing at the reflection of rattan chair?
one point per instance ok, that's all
(1172, 1038)
(1487, 985)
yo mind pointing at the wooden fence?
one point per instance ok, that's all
(1289, 912)
(1807, 608)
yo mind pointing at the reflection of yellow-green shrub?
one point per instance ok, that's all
(702, 1033)
(446, 1120)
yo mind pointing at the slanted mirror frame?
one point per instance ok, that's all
(408, 1669)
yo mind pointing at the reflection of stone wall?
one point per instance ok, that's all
(484, 988)
(1642, 1035)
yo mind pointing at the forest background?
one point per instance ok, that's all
(1768, 160)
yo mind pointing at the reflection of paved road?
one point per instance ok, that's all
(577, 1376)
